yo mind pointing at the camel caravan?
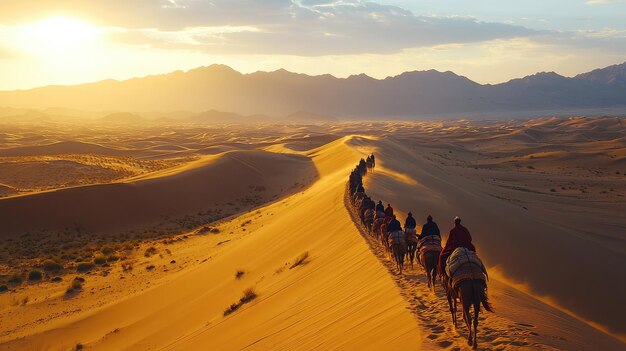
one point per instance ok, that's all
(462, 273)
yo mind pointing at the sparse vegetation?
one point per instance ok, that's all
(15, 279)
(300, 260)
(35, 275)
(51, 266)
(127, 266)
(99, 260)
(82, 267)
(150, 251)
(239, 274)
(248, 295)
(75, 286)
(3, 288)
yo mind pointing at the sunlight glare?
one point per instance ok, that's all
(57, 35)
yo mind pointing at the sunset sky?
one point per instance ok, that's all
(489, 41)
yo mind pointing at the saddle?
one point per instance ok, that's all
(464, 264)
(429, 243)
(411, 235)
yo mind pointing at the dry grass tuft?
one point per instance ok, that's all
(300, 260)
(248, 295)
(239, 274)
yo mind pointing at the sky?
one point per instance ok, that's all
(489, 41)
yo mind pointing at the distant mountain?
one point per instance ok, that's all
(282, 93)
(122, 117)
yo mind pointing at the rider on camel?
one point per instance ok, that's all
(409, 223)
(430, 228)
(389, 211)
(459, 237)
(394, 225)
(380, 207)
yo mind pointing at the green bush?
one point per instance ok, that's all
(35, 275)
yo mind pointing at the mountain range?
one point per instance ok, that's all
(283, 93)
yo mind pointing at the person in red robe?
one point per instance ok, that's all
(459, 237)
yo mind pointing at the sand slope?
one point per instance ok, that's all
(525, 243)
(342, 298)
(181, 190)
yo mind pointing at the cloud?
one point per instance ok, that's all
(305, 27)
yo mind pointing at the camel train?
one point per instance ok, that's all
(462, 273)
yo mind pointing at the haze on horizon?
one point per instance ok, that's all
(488, 41)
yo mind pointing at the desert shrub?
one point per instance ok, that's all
(84, 266)
(78, 347)
(51, 266)
(15, 279)
(4, 288)
(248, 295)
(150, 267)
(107, 250)
(99, 259)
(35, 275)
(150, 251)
(239, 274)
(300, 260)
(75, 286)
(112, 258)
(56, 279)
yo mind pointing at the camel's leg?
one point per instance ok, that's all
(467, 317)
(452, 304)
(476, 310)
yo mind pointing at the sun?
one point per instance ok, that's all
(57, 35)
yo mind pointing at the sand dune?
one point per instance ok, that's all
(64, 147)
(344, 295)
(211, 181)
(531, 236)
(342, 298)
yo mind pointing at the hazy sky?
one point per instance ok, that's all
(489, 41)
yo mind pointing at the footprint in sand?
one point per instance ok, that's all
(444, 343)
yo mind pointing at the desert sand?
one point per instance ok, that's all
(319, 282)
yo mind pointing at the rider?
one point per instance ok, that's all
(409, 223)
(459, 237)
(394, 225)
(430, 228)
(389, 211)
(360, 188)
(380, 207)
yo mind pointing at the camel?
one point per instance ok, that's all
(411, 244)
(428, 260)
(471, 292)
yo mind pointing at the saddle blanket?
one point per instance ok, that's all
(411, 235)
(464, 264)
(429, 243)
(398, 238)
